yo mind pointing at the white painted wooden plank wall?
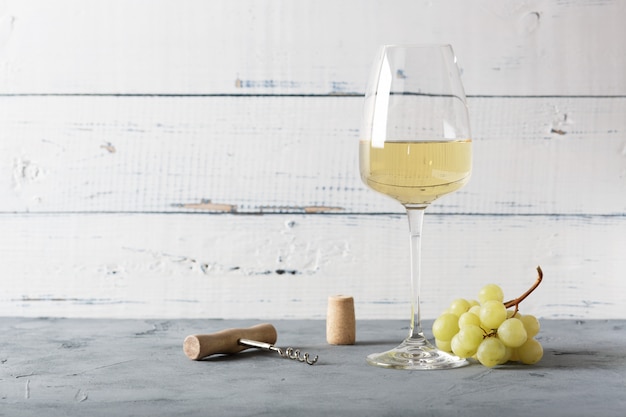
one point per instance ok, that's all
(512, 47)
(281, 154)
(198, 158)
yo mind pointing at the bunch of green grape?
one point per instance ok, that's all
(486, 331)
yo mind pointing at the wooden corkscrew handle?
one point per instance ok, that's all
(226, 341)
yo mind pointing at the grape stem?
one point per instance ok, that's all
(516, 301)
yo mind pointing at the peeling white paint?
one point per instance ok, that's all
(26, 171)
(138, 186)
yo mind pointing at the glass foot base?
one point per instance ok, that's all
(416, 354)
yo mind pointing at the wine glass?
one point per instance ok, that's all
(415, 146)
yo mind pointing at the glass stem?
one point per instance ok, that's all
(416, 220)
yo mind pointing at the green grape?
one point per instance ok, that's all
(490, 352)
(468, 318)
(530, 352)
(492, 314)
(459, 306)
(507, 356)
(473, 303)
(445, 327)
(513, 313)
(459, 349)
(490, 292)
(531, 324)
(475, 309)
(445, 346)
(512, 332)
(470, 337)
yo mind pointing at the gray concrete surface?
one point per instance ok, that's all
(72, 367)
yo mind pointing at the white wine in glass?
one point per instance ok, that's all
(415, 147)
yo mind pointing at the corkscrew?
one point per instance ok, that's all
(289, 353)
(262, 336)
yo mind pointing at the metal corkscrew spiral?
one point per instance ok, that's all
(289, 353)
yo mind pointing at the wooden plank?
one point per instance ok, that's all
(294, 154)
(83, 134)
(304, 47)
(286, 266)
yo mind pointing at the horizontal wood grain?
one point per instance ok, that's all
(163, 158)
(322, 46)
(294, 154)
(286, 266)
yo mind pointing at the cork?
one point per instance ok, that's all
(340, 321)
